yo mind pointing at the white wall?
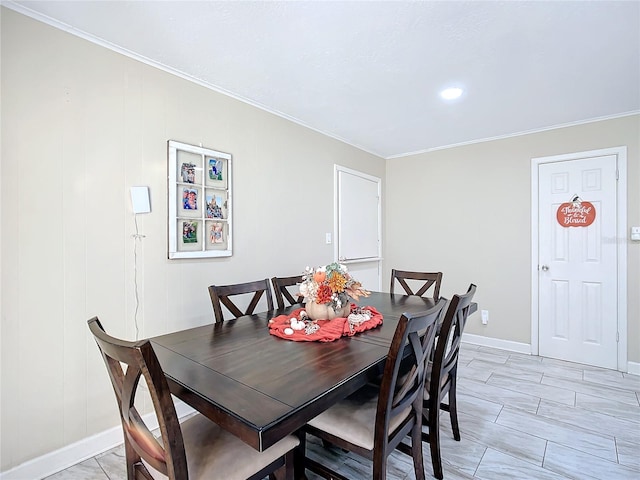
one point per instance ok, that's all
(466, 211)
(80, 125)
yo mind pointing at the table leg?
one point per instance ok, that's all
(299, 456)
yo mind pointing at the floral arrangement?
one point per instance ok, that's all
(331, 285)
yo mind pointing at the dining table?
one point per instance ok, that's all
(261, 387)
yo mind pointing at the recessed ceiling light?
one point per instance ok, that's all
(451, 93)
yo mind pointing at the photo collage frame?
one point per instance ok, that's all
(199, 202)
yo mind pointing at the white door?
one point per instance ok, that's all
(577, 264)
(358, 225)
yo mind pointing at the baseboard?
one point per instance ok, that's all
(633, 368)
(497, 343)
(89, 447)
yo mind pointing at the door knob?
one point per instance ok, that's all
(544, 268)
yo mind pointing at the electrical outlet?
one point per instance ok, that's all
(485, 317)
(327, 238)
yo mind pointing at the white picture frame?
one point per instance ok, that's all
(200, 202)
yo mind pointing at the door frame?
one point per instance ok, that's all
(336, 220)
(621, 244)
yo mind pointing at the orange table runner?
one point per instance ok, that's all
(325, 330)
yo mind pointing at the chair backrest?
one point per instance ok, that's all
(139, 358)
(445, 360)
(220, 296)
(400, 393)
(425, 279)
(281, 289)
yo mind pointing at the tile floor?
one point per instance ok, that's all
(521, 417)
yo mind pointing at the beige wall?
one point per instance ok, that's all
(465, 211)
(80, 125)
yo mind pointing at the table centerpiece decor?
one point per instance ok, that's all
(297, 326)
(328, 291)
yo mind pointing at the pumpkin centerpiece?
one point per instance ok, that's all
(328, 291)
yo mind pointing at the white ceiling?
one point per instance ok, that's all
(369, 73)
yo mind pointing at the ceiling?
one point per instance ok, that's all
(369, 73)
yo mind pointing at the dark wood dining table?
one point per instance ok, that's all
(261, 387)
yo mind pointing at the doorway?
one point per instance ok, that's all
(358, 218)
(579, 270)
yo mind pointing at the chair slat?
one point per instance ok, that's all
(281, 290)
(425, 281)
(220, 295)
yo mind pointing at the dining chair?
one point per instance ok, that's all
(282, 292)
(220, 296)
(430, 279)
(198, 448)
(442, 376)
(374, 420)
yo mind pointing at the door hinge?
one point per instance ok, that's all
(617, 174)
(617, 336)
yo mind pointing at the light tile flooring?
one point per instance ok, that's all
(521, 417)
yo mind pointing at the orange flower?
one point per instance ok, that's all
(324, 294)
(319, 276)
(337, 282)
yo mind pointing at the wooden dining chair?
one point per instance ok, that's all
(220, 295)
(442, 378)
(283, 291)
(197, 449)
(425, 280)
(374, 420)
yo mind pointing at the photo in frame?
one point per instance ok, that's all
(216, 204)
(190, 235)
(189, 201)
(216, 175)
(189, 168)
(199, 193)
(216, 234)
(188, 172)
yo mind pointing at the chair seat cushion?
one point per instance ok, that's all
(354, 418)
(215, 453)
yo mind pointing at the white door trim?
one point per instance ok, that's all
(336, 220)
(621, 243)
